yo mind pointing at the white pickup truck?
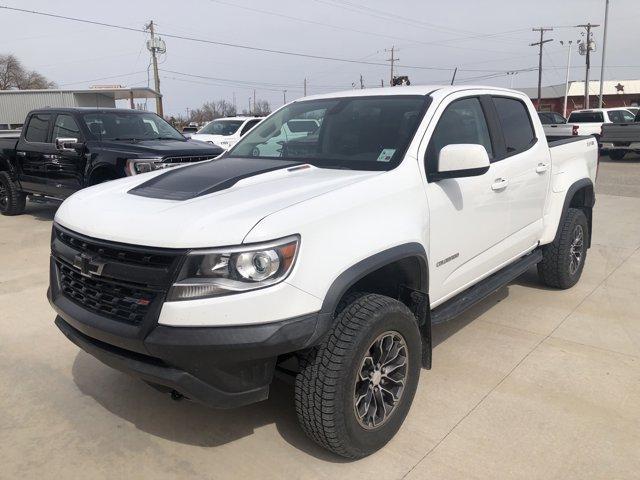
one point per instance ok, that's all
(225, 132)
(590, 122)
(330, 260)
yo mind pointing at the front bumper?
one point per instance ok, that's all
(222, 367)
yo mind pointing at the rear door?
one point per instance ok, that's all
(528, 168)
(65, 168)
(32, 148)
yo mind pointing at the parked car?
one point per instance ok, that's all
(225, 132)
(621, 138)
(555, 125)
(296, 128)
(189, 130)
(331, 258)
(62, 150)
(590, 121)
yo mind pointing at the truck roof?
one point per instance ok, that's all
(409, 90)
(85, 110)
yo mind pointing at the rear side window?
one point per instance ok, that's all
(462, 122)
(38, 128)
(586, 117)
(516, 124)
(546, 118)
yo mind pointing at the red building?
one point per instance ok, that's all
(617, 93)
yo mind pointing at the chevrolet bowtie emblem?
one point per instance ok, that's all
(88, 265)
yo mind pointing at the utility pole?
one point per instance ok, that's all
(361, 82)
(393, 61)
(566, 79)
(254, 101)
(541, 44)
(284, 97)
(585, 49)
(453, 79)
(234, 100)
(305, 86)
(250, 106)
(156, 46)
(604, 51)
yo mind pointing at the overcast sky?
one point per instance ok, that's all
(479, 37)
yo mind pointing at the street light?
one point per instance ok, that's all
(566, 81)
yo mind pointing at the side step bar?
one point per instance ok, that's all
(472, 295)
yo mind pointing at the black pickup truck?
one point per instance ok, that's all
(62, 150)
(621, 138)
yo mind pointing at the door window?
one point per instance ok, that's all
(516, 124)
(66, 127)
(38, 128)
(627, 116)
(559, 119)
(462, 122)
(249, 125)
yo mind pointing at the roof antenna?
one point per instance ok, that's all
(453, 79)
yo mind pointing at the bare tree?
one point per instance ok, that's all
(14, 76)
(212, 110)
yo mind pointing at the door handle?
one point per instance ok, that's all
(542, 167)
(499, 184)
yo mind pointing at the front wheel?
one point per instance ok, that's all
(355, 389)
(12, 199)
(563, 260)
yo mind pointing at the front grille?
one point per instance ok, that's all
(124, 283)
(188, 159)
(113, 252)
(121, 302)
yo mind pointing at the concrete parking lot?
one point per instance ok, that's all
(531, 383)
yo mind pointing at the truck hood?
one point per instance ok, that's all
(208, 204)
(162, 148)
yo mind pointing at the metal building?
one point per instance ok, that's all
(15, 104)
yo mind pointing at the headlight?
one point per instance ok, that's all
(143, 165)
(224, 271)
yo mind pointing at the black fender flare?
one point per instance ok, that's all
(417, 299)
(6, 166)
(351, 275)
(590, 201)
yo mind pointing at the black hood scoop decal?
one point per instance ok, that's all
(207, 177)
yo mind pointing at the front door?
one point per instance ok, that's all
(65, 168)
(468, 216)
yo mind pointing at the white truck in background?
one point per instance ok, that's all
(329, 259)
(225, 132)
(590, 121)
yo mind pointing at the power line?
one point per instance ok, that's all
(104, 78)
(232, 45)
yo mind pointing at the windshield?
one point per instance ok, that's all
(362, 133)
(586, 117)
(129, 126)
(221, 127)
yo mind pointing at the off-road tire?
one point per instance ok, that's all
(12, 199)
(617, 154)
(554, 269)
(325, 386)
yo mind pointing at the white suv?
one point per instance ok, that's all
(225, 132)
(330, 258)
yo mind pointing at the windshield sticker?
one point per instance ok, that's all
(386, 154)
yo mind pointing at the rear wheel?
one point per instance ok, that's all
(563, 260)
(617, 154)
(355, 389)
(12, 199)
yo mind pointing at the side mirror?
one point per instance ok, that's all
(462, 160)
(68, 144)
